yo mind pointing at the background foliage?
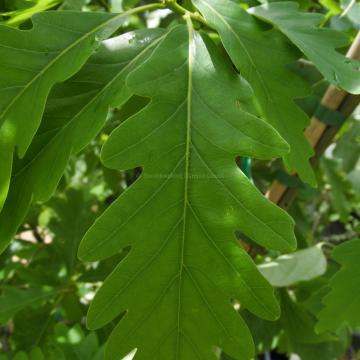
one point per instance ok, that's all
(46, 290)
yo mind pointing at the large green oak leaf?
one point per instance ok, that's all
(185, 266)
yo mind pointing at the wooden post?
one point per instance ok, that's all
(319, 134)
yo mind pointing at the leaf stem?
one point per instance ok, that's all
(174, 6)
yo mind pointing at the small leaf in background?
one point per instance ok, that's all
(294, 333)
(298, 323)
(14, 299)
(73, 218)
(32, 327)
(265, 333)
(298, 334)
(342, 303)
(339, 188)
(302, 265)
(347, 149)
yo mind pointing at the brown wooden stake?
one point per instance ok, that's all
(319, 134)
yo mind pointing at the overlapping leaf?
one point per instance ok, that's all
(75, 113)
(302, 265)
(181, 215)
(342, 304)
(262, 57)
(317, 44)
(32, 61)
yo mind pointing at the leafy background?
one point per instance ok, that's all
(46, 290)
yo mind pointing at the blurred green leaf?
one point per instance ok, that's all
(348, 147)
(342, 303)
(339, 187)
(291, 268)
(14, 299)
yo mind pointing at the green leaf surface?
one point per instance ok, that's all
(180, 216)
(302, 265)
(262, 57)
(342, 303)
(76, 111)
(318, 44)
(33, 61)
(14, 299)
(31, 326)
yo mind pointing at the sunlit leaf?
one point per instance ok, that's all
(180, 216)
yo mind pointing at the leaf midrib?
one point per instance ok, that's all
(186, 176)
